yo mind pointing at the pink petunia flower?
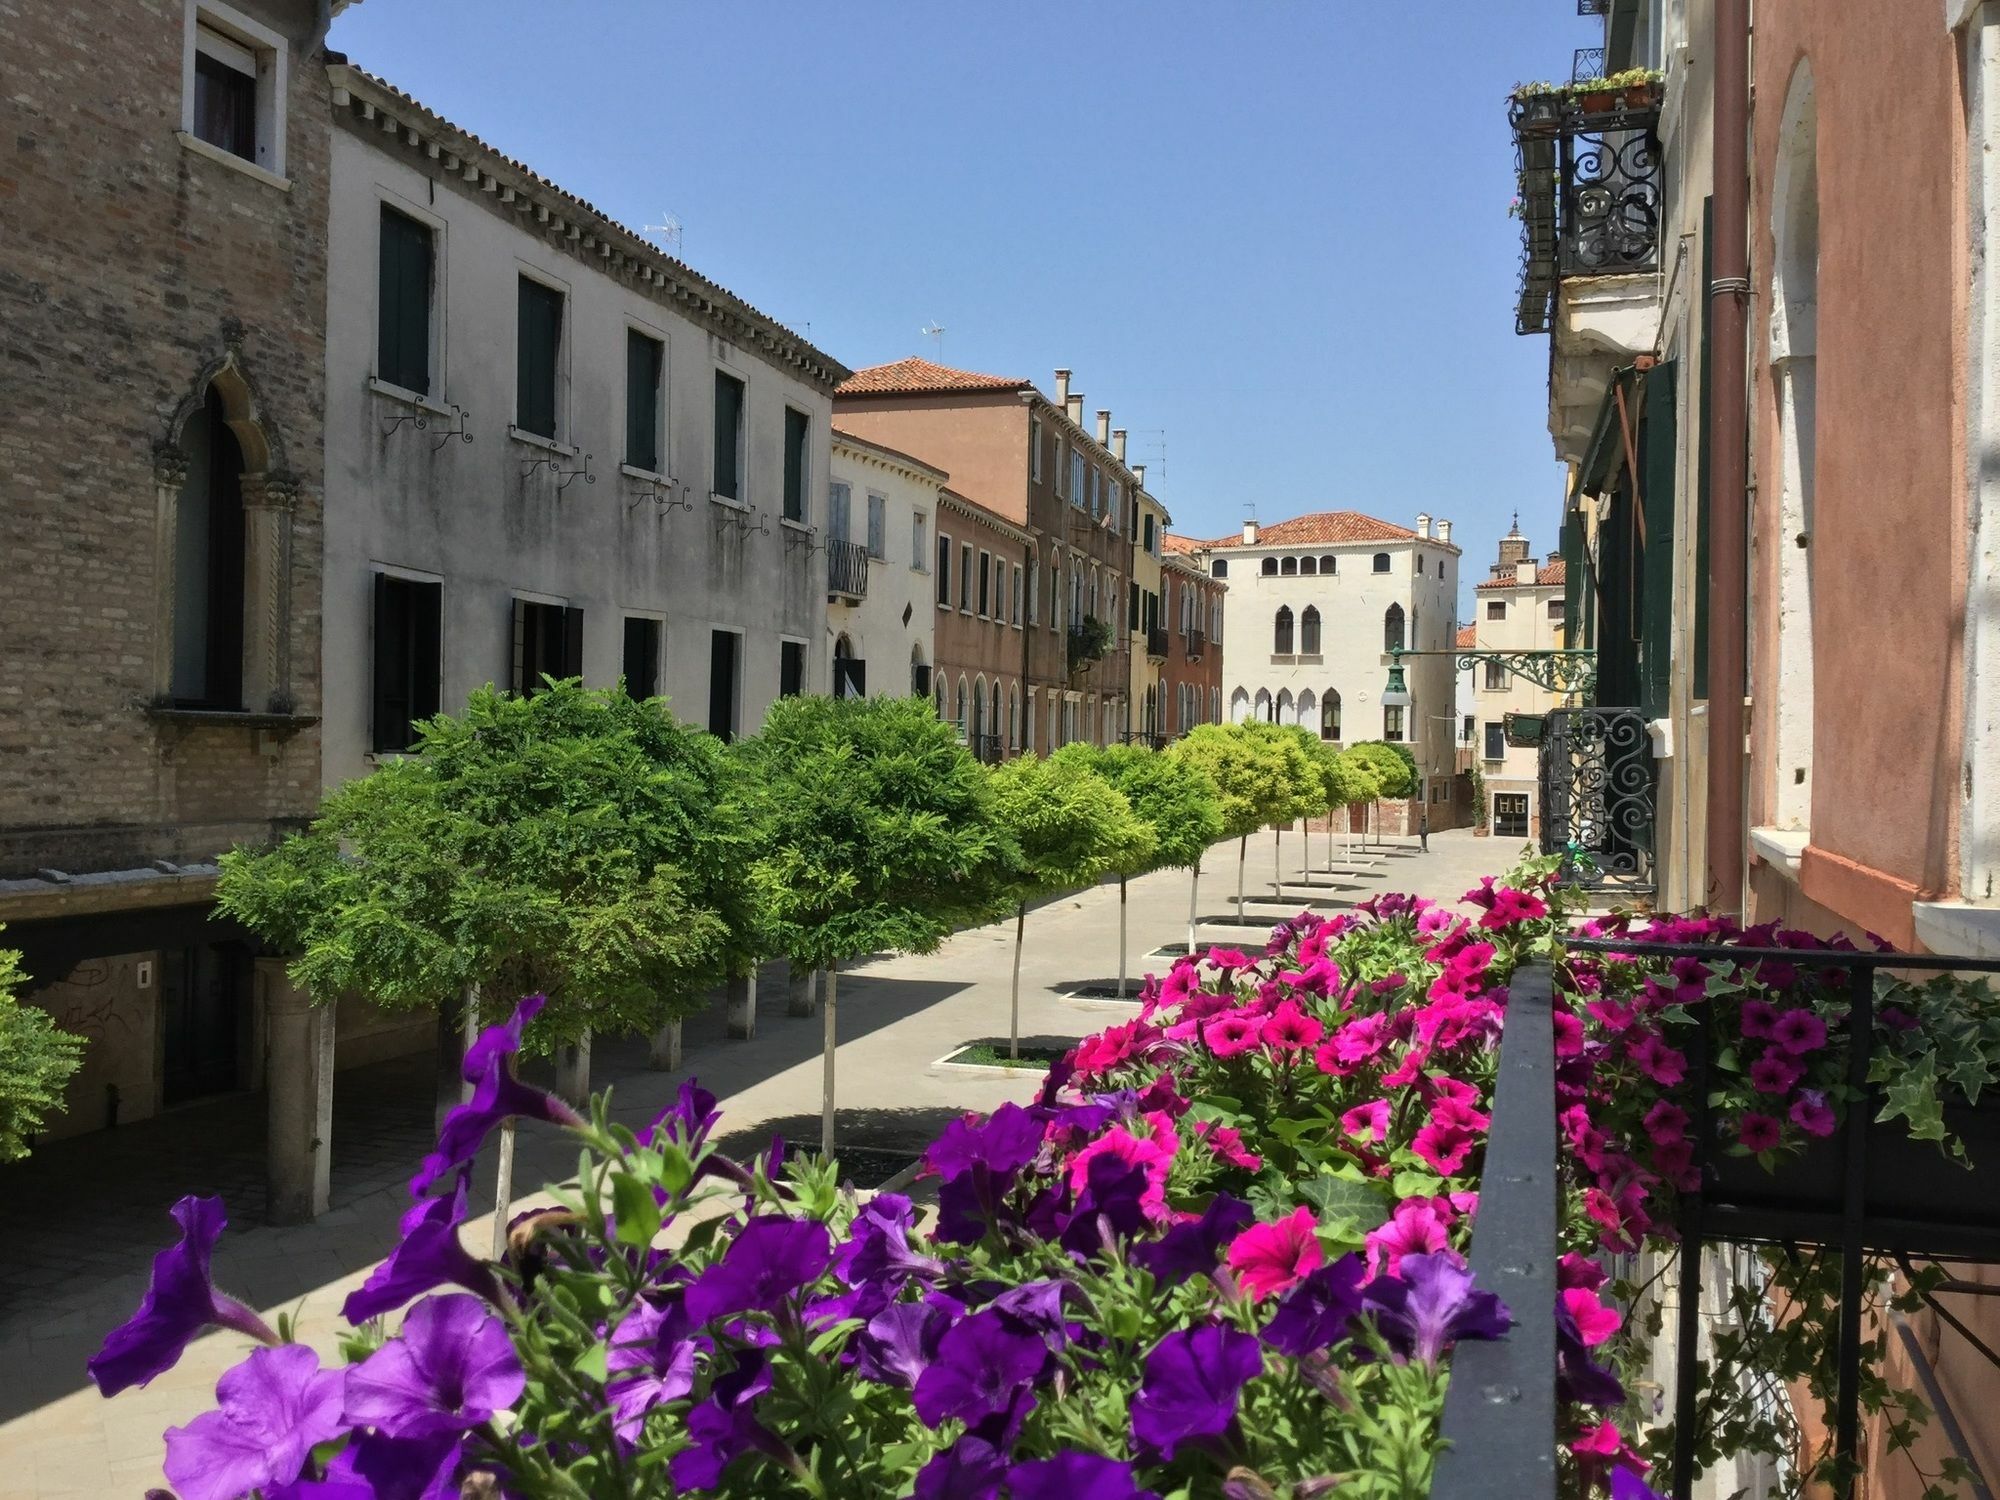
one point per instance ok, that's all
(1511, 906)
(1659, 1062)
(1812, 1114)
(1419, 1226)
(1568, 1032)
(1665, 1122)
(1232, 1035)
(1579, 1271)
(1444, 1146)
(1594, 1321)
(1759, 1016)
(1228, 958)
(1799, 1032)
(1226, 1141)
(1758, 1132)
(1774, 1073)
(1289, 1029)
(1596, 1447)
(1267, 1258)
(1368, 1121)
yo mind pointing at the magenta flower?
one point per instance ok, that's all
(1511, 906)
(1233, 1034)
(1758, 1017)
(771, 1258)
(1573, 1270)
(1774, 1073)
(1594, 1321)
(1227, 959)
(497, 1095)
(1799, 1032)
(1267, 1258)
(1812, 1114)
(271, 1411)
(1368, 1121)
(1319, 1310)
(1758, 1132)
(428, 1255)
(1417, 1227)
(1226, 1141)
(451, 1368)
(1002, 1142)
(1070, 1475)
(1193, 1380)
(1666, 1122)
(1429, 1304)
(1659, 1062)
(1289, 1029)
(180, 1301)
(981, 1362)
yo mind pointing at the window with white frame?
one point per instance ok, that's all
(919, 543)
(1076, 495)
(233, 75)
(1034, 602)
(878, 525)
(1017, 596)
(965, 577)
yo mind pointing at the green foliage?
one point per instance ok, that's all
(1301, 750)
(37, 1059)
(1478, 796)
(575, 843)
(1252, 774)
(878, 829)
(1351, 780)
(1071, 825)
(1394, 766)
(1173, 796)
(1089, 642)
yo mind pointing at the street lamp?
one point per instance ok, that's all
(1397, 693)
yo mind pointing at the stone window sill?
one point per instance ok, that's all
(1955, 927)
(408, 397)
(1781, 848)
(650, 476)
(728, 503)
(230, 159)
(536, 440)
(790, 525)
(280, 726)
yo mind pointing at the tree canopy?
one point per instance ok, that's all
(1395, 767)
(1350, 779)
(37, 1059)
(1300, 749)
(1071, 825)
(876, 830)
(1172, 795)
(575, 843)
(1252, 774)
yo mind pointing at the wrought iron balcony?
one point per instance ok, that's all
(1197, 644)
(846, 570)
(1593, 7)
(1156, 642)
(987, 749)
(1590, 188)
(1142, 737)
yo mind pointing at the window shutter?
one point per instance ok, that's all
(385, 709)
(540, 334)
(572, 643)
(426, 651)
(403, 344)
(522, 653)
(728, 427)
(795, 465)
(642, 400)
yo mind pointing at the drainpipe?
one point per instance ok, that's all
(1728, 584)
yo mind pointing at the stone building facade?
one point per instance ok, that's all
(1518, 608)
(882, 514)
(161, 455)
(983, 628)
(1191, 675)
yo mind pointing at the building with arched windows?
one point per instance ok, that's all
(1314, 606)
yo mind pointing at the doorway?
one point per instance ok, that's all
(1510, 815)
(202, 989)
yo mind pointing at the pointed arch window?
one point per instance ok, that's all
(1281, 632)
(1392, 628)
(208, 564)
(1329, 715)
(1309, 631)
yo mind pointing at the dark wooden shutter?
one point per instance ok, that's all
(389, 716)
(539, 338)
(722, 684)
(728, 432)
(795, 464)
(642, 401)
(572, 643)
(792, 669)
(403, 324)
(426, 651)
(642, 657)
(943, 569)
(523, 647)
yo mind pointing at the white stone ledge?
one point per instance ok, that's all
(1781, 848)
(1955, 927)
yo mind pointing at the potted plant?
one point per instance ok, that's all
(1638, 88)
(1537, 105)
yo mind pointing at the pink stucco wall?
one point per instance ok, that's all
(1888, 544)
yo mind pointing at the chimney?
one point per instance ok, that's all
(1139, 473)
(1524, 571)
(1062, 388)
(1444, 531)
(1075, 405)
(1424, 525)
(1103, 427)
(1250, 532)
(1118, 444)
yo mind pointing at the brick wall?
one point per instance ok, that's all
(131, 265)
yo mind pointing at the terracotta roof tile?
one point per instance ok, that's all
(1549, 575)
(913, 376)
(1468, 637)
(1323, 526)
(1173, 543)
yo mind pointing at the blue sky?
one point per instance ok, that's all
(1273, 231)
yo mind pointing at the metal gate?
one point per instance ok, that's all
(1597, 783)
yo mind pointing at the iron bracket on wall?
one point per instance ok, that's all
(1553, 671)
(667, 493)
(738, 518)
(564, 477)
(421, 420)
(795, 539)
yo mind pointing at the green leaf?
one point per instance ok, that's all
(592, 1363)
(1343, 1198)
(638, 1213)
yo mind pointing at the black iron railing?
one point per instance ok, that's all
(1597, 778)
(1589, 191)
(1586, 62)
(1156, 642)
(988, 749)
(1197, 644)
(847, 569)
(1905, 1199)
(1143, 737)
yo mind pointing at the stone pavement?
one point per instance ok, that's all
(86, 1215)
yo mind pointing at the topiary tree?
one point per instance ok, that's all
(1072, 828)
(1309, 789)
(1352, 781)
(879, 836)
(37, 1060)
(1394, 766)
(1253, 784)
(1175, 798)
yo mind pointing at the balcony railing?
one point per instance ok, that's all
(987, 749)
(1142, 737)
(1156, 642)
(1589, 186)
(1197, 645)
(847, 570)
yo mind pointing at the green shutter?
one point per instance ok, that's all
(642, 401)
(1701, 465)
(728, 432)
(538, 340)
(795, 465)
(403, 297)
(1658, 443)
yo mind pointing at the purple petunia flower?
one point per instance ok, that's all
(982, 1360)
(373, 1467)
(1005, 1141)
(970, 1469)
(1071, 1475)
(1035, 1307)
(1430, 1304)
(1625, 1485)
(497, 1095)
(899, 1343)
(1799, 1032)
(1193, 1248)
(651, 1362)
(180, 1301)
(428, 1255)
(770, 1258)
(1192, 1382)
(450, 1368)
(1319, 1310)
(271, 1411)
(725, 1426)
(878, 1245)
(688, 1119)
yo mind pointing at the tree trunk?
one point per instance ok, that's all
(826, 1065)
(1014, 1010)
(451, 1089)
(663, 1053)
(503, 1189)
(573, 1071)
(1242, 855)
(1194, 896)
(1121, 937)
(1277, 861)
(801, 989)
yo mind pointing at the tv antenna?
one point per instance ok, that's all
(934, 331)
(1156, 443)
(667, 233)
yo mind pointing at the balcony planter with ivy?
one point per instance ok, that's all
(1089, 640)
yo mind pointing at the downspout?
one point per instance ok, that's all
(1728, 582)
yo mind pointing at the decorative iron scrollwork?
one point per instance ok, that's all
(1611, 219)
(1597, 780)
(564, 477)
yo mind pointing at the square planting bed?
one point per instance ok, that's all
(989, 1055)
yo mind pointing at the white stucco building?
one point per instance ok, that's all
(881, 520)
(1315, 603)
(1518, 608)
(648, 460)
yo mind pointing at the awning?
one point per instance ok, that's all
(1606, 451)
